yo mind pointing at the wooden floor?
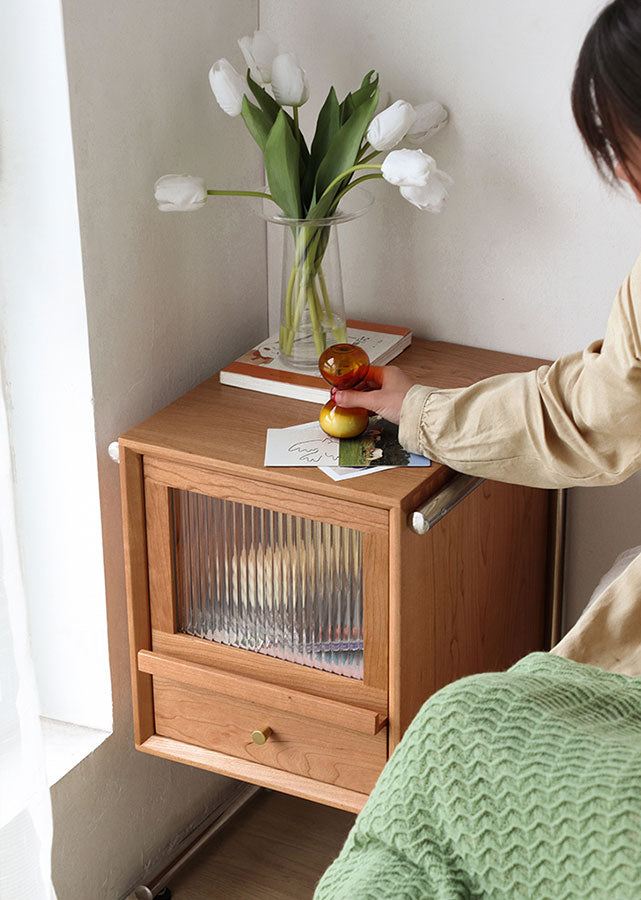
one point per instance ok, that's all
(276, 848)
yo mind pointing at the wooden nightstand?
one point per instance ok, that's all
(284, 628)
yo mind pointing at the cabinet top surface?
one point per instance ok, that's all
(224, 427)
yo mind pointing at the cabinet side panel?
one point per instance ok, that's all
(135, 547)
(413, 636)
(471, 594)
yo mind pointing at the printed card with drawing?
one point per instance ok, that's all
(308, 445)
(301, 445)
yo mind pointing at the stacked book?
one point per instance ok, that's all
(263, 369)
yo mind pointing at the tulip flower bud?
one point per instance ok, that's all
(408, 168)
(390, 126)
(289, 81)
(180, 193)
(430, 118)
(259, 53)
(432, 197)
(228, 87)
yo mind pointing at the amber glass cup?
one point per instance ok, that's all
(344, 366)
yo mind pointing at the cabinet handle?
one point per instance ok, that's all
(260, 735)
(433, 510)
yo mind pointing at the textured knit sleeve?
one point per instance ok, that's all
(575, 422)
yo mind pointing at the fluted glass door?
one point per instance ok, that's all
(270, 582)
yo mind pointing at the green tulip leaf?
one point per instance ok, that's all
(264, 100)
(257, 121)
(272, 109)
(354, 99)
(344, 148)
(326, 128)
(347, 108)
(367, 88)
(282, 158)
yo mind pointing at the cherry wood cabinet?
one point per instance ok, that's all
(284, 628)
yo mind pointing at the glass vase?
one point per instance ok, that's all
(312, 310)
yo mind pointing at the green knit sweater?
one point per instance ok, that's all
(508, 785)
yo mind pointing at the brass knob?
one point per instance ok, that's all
(261, 735)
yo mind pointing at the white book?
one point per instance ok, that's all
(262, 368)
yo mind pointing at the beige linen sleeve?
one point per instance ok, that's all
(576, 422)
(608, 634)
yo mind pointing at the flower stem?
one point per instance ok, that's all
(288, 298)
(338, 327)
(288, 331)
(243, 194)
(312, 302)
(349, 171)
(300, 291)
(320, 312)
(358, 181)
(370, 157)
(323, 287)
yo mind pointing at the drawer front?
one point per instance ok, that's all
(296, 744)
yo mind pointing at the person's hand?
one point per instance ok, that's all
(386, 387)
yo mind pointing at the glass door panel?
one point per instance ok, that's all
(268, 581)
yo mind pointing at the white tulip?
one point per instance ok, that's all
(289, 81)
(430, 118)
(432, 197)
(408, 168)
(259, 53)
(390, 126)
(228, 87)
(180, 193)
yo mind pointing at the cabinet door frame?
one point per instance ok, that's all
(160, 476)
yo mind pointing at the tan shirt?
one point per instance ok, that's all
(576, 422)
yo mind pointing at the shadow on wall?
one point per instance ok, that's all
(602, 522)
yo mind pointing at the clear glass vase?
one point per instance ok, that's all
(312, 314)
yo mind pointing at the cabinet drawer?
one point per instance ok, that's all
(298, 744)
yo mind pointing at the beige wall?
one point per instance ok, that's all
(531, 248)
(170, 298)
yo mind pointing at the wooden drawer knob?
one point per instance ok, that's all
(261, 735)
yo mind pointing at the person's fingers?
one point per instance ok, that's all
(351, 399)
(375, 375)
(372, 382)
(382, 392)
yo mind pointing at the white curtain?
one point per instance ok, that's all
(25, 807)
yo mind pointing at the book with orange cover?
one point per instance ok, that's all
(262, 368)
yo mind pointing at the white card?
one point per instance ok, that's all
(300, 445)
(340, 473)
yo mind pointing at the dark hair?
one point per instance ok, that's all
(606, 91)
